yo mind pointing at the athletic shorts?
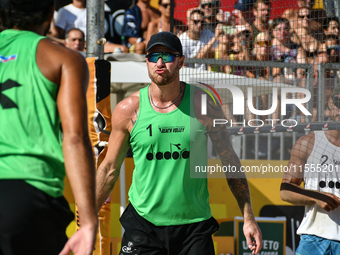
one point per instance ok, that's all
(143, 237)
(31, 222)
(314, 245)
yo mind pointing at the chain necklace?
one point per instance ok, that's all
(180, 93)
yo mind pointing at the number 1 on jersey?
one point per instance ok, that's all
(150, 129)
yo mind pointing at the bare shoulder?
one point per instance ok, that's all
(306, 143)
(58, 59)
(302, 149)
(126, 112)
(153, 24)
(129, 104)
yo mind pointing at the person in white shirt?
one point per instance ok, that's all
(71, 16)
(315, 161)
(197, 42)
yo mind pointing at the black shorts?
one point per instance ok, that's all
(31, 222)
(143, 237)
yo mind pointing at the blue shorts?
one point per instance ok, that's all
(314, 245)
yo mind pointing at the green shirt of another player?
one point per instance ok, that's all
(30, 137)
(166, 147)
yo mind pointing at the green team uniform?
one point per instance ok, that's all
(165, 146)
(30, 137)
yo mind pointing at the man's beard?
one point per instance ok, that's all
(163, 80)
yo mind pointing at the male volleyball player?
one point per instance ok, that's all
(315, 160)
(169, 211)
(42, 85)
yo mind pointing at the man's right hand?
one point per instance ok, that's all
(82, 242)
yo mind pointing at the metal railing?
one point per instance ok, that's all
(280, 138)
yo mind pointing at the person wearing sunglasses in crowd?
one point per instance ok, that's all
(315, 162)
(169, 211)
(198, 42)
(163, 22)
(261, 52)
(212, 13)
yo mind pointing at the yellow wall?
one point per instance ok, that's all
(264, 191)
(154, 3)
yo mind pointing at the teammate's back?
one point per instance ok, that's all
(43, 86)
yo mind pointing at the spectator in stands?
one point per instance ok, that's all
(308, 38)
(243, 12)
(261, 52)
(75, 39)
(316, 18)
(240, 50)
(261, 12)
(136, 22)
(284, 50)
(71, 16)
(213, 15)
(114, 20)
(236, 47)
(163, 22)
(331, 26)
(197, 42)
(331, 47)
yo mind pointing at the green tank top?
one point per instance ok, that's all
(166, 147)
(30, 137)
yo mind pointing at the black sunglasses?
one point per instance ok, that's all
(165, 56)
(165, 5)
(209, 4)
(304, 16)
(196, 21)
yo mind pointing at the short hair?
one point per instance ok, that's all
(278, 21)
(328, 20)
(196, 11)
(216, 1)
(265, 2)
(74, 29)
(22, 14)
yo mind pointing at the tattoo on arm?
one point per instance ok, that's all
(133, 121)
(219, 135)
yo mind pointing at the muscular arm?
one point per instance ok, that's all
(236, 180)
(69, 70)
(291, 191)
(123, 118)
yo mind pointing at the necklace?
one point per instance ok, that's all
(180, 93)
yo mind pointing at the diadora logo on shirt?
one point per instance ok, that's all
(175, 152)
(175, 129)
(5, 59)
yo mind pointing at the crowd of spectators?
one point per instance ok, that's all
(301, 35)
